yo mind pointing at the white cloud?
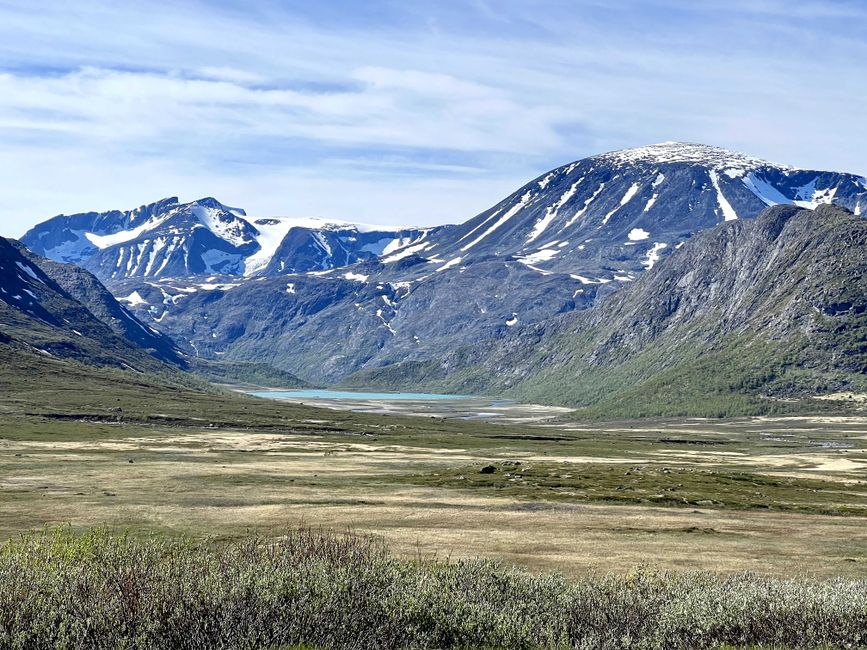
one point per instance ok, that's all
(421, 111)
(403, 108)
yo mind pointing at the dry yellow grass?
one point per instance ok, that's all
(226, 483)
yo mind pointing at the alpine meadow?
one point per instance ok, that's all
(301, 398)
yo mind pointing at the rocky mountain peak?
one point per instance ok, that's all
(668, 153)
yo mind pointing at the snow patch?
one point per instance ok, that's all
(587, 203)
(538, 270)
(450, 264)
(544, 182)
(585, 280)
(508, 215)
(552, 211)
(218, 286)
(104, 241)
(29, 271)
(766, 192)
(406, 252)
(542, 255)
(638, 234)
(230, 230)
(134, 299)
(652, 256)
(626, 199)
(385, 322)
(358, 277)
(808, 196)
(686, 152)
(728, 211)
(156, 247)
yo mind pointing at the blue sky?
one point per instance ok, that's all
(403, 112)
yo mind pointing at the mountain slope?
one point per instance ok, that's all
(90, 292)
(620, 212)
(741, 314)
(60, 311)
(37, 315)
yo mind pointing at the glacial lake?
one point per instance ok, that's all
(465, 407)
(345, 394)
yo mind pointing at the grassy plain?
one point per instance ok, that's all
(784, 495)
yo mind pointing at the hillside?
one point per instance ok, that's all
(61, 311)
(39, 316)
(739, 319)
(83, 287)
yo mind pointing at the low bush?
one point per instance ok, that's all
(316, 589)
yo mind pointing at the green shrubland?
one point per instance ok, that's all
(317, 589)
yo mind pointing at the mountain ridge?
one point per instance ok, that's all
(201, 238)
(560, 243)
(39, 315)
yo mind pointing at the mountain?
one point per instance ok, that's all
(745, 317)
(616, 214)
(62, 311)
(83, 287)
(202, 238)
(560, 244)
(38, 314)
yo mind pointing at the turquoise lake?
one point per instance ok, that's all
(338, 394)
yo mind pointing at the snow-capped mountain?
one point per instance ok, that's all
(556, 245)
(613, 215)
(204, 237)
(291, 245)
(767, 308)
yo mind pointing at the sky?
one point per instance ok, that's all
(403, 113)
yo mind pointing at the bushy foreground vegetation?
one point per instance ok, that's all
(97, 590)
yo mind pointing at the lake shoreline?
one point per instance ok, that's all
(434, 405)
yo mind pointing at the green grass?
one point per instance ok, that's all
(244, 373)
(315, 589)
(652, 485)
(683, 374)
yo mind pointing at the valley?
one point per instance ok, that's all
(779, 495)
(675, 404)
(218, 282)
(433, 326)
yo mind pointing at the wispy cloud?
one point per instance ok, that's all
(404, 110)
